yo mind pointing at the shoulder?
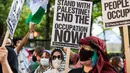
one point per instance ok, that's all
(108, 68)
(35, 71)
(12, 59)
(11, 54)
(11, 50)
(76, 70)
(39, 68)
(48, 71)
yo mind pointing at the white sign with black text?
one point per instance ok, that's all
(116, 12)
(72, 19)
(14, 15)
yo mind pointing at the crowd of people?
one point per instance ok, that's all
(91, 58)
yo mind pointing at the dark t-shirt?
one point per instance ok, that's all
(77, 70)
(104, 70)
(12, 59)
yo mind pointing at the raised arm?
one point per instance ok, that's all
(24, 39)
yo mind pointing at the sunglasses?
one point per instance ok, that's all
(54, 57)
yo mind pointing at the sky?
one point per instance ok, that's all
(113, 37)
(97, 29)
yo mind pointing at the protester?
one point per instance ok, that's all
(38, 51)
(16, 43)
(4, 62)
(56, 61)
(118, 64)
(44, 62)
(22, 53)
(9, 43)
(8, 58)
(93, 57)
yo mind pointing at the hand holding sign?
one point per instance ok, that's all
(13, 18)
(3, 55)
(25, 38)
(3, 61)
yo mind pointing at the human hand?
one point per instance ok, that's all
(3, 55)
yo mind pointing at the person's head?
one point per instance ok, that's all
(38, 53)
(86, 55)
(9, 42)
(93, 42)
(117, 61)
(56, 58)
(44, 61)
(16, 41)
(90, 48)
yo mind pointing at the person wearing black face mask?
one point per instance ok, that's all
(93, 57)
(38, 51)
(34, 58)
(8, 58)
(88, 58)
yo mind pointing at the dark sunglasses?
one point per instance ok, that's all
(54, 57)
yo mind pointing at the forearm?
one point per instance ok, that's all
(24, 40)
(72, 54)
(74, 58)
(6, 68)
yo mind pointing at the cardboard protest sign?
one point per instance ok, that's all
(71, 22)
(116, 12)
(14, 14)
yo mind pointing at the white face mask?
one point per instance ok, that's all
(56, 63)
(44, 61)
(121, 64)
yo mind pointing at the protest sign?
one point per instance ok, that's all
(71, 22)
(5, 38)
(126, 48)
(14, 14)
(116, 12)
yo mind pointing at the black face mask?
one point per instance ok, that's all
(85, 55)
(34, 58)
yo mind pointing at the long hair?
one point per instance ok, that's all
(56, 50)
